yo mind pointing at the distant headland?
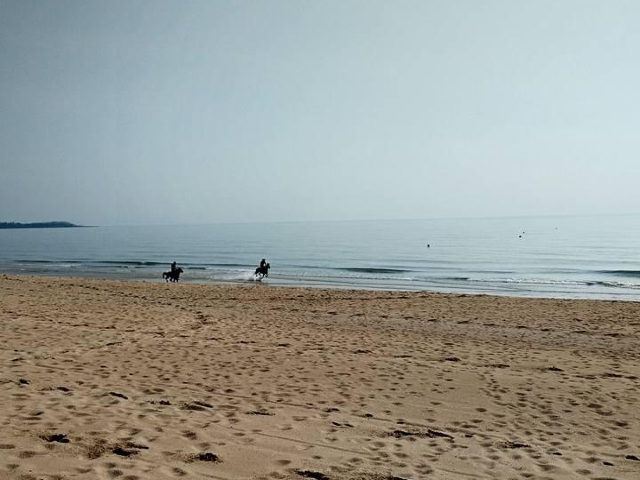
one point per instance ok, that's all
(6, 225)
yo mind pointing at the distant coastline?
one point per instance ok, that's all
(9, 225)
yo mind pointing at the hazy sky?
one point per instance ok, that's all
(145, 112)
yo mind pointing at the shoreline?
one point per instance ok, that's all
(132, 379)
(285, 282)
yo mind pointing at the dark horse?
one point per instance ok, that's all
(262, 272)
(172, 276)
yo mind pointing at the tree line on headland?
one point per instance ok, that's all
(37, 225)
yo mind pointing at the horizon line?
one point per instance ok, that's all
(361, 220)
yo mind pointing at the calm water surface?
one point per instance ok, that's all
(575, 257)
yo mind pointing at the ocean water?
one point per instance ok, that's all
(562, 257)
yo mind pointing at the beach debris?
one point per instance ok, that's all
(56, 437)
(196, 406)
(312, 474)
(63, 389)
(452, 359)
(499, 365)
(337, 424)
(125, 449)
(360, 350)
(24, 381)
(555, 369)
(201, 457)
(119, 395)
(430, 433)
(283, 345)
(137, 446)
(436, 433)
(633, 457)
(377, 476)
(608, 464)
(207, 457)
(260, 411)
(514, 445)
(124, 452)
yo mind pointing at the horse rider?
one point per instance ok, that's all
(263, 264)
(174, 267)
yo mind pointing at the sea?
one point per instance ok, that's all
(594, 257)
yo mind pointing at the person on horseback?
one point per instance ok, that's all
(173, 275)
(263, 270)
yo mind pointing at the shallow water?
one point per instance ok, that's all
(574, 257)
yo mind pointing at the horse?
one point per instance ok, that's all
(262, 272)
(173, 276)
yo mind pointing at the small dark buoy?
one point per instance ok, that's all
(428, 245)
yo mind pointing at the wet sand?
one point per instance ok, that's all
(134, 380)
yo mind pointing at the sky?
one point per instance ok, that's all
(129, 112)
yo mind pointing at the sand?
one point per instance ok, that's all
(135, 380)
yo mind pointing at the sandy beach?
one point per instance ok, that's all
(135, 380)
